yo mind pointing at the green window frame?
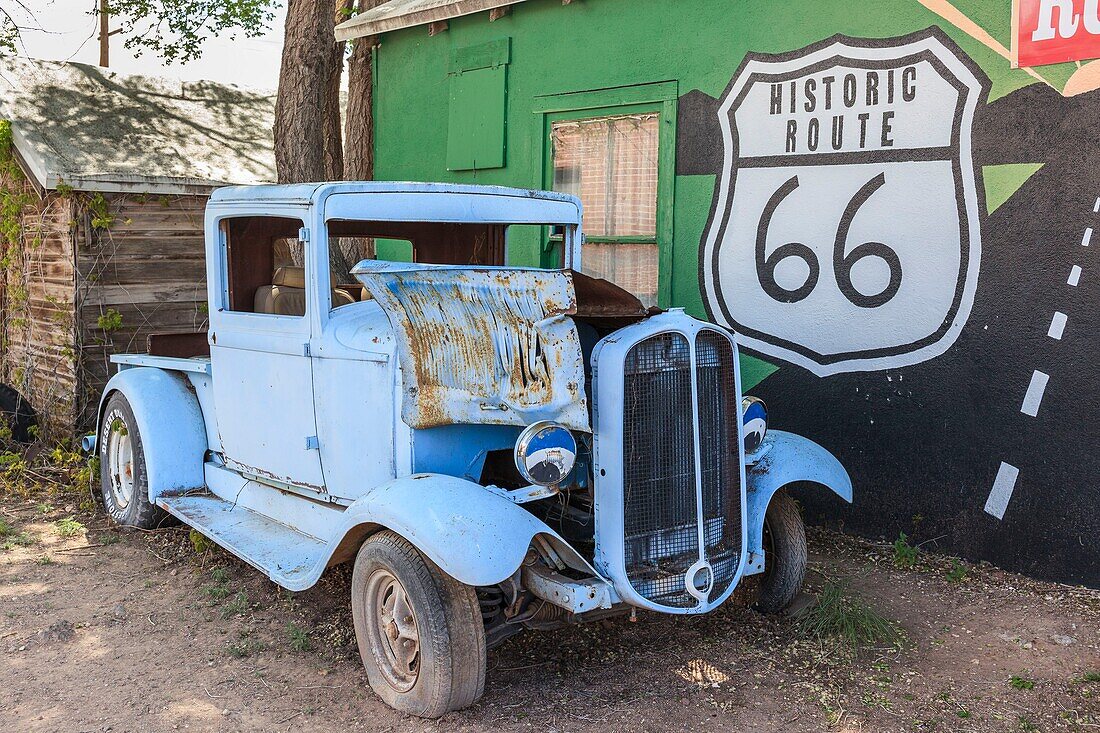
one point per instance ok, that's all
(659, 97)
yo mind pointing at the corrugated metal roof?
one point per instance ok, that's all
(397, 14)
(93, 129)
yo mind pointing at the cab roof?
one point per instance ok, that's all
(304, 193)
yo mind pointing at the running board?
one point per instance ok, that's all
(286, 556)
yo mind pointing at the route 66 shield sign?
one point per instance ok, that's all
(845, 233)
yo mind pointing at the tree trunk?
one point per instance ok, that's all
(333, 137)
(303, 85)
(359, 129)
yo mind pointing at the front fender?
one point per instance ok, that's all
(171, 425)
(474, 535)
(786, 458)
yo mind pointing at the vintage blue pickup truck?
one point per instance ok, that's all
(494, 448)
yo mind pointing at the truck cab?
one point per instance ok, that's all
(494, 447)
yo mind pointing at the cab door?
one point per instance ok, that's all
(259, 347)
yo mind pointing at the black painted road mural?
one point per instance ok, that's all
(948, 356)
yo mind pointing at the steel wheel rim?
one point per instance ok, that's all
(120, 465)
(393, 627)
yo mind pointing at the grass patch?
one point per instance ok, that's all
(237, 606)
(1026, 725)
(841, 617)
(299, 638)
(218, 589)
(68, 527)
(1020, 682)
(45, 560)
(1091, 676)
(244, 648)
(12, 537)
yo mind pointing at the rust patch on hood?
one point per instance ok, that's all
(483, 345)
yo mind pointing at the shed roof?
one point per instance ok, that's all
(93, 129)
(397, 14)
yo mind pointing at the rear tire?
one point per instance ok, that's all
(125, 481)
(420, 632)
(18, 415)
(784, 554)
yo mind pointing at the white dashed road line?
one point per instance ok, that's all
(1034, 396)
(1096, 206)
(1005, 482)
(1001, 493)
(1057, 325)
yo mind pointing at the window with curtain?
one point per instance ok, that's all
(611, 164)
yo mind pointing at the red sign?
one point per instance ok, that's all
(1053, 31)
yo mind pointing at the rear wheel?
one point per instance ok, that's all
(125, 481)
(18, 415)
(784, 554)
(420, 631)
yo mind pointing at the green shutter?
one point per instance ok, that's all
(476, 118)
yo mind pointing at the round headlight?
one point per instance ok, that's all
(545, 453)
(754, 420)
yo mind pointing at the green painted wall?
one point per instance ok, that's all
(598, 44)
(961, 448)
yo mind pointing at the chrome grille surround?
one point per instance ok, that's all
(669, 493)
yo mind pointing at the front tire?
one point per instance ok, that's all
(122, 472)
(420, 631)
(784, 554)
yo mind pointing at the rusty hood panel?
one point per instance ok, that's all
(483, 345)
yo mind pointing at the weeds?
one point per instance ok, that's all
(957, 573)
(45, 560)
(299, 638)
(1020, 682)
(1091, 676)
(68, 527)
(905, 555)
(244, 648)
(219, 588)
(1027, 725)
(844, 618)
(200, 542)
(237, 606)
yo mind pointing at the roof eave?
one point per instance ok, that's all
(370, 24)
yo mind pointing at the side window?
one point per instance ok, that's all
(344, 253)
(265, 265)
(611, 163)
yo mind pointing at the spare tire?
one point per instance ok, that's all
(19, 417)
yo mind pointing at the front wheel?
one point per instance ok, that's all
(125, 481)
(420, 631)
(784, 554)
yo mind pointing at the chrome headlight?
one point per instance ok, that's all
(754, 420)
(546, 453)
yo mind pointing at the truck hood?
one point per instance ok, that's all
(482, 345)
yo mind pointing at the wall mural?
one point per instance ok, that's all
(916, 262)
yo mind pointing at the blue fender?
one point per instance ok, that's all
(171, 425)
(474, 535)
(786, 458)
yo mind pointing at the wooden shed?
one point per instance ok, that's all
(103, 182)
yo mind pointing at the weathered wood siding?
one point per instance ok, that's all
(148, 266)
(38, 357)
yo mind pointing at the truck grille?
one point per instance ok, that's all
(662, 514)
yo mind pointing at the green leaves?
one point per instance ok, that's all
(175, 30)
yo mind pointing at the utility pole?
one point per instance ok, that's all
(104, 35)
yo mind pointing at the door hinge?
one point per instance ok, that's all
(305, 349)
(303, 235)
(312, 443)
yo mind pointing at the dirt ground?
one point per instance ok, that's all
(102, 630)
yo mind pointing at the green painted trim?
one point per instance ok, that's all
(660, 97)
(660, 91)
(482, 56)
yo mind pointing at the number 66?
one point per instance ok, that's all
(842, 262)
